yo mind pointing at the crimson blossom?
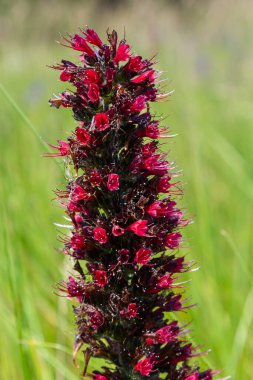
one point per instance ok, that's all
(125, 222)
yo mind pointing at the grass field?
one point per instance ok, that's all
(207, 55)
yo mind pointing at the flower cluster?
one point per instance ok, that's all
(125, 220)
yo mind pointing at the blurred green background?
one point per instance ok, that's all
(205, 49)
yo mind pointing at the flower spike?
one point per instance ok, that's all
(126, 227)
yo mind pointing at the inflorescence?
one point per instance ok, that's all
(125, 222)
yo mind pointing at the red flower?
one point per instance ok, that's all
(149, 149)
(193, 376)
(101, 277)
(100, 235)
(100, 377)
(164, 335)
(139, 228)
(93, 93)
(92, 37)
(65, 76)
(113, 182)
(63, 149)
(73, 288)
(165, 281)
(79, 220)
(79, 194)
(90, 76)
(96, 319)
(142, 256)
(172, 240)
(155, 166)
(134, 64)
(159, 209)
(82, 136)
(150, 75)
(168, 333)
(79, 43)
(101, 121)
(77, 241)
(73, 207)
(206, 375)
(95, 178)
(152, 131)
(144, 366)
(117, 230)
(132, 310)
(139, 104)
(163, 184)
(154, 209)
(122, 53)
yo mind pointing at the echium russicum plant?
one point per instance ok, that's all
(126, 226)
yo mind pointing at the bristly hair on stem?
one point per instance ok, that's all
(125, 223)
